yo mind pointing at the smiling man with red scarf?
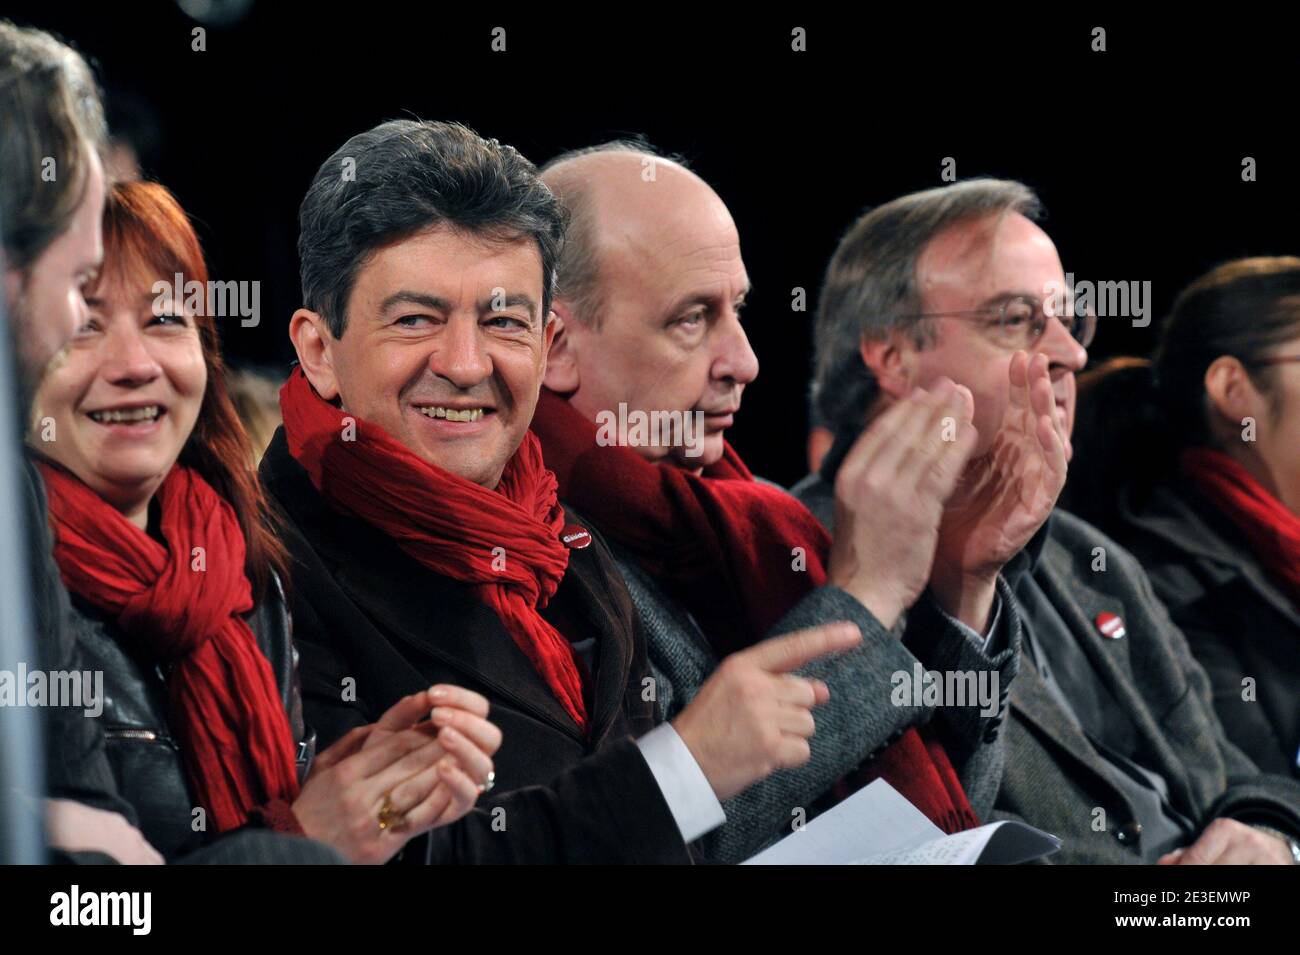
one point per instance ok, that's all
(651, 284)
(429, 541)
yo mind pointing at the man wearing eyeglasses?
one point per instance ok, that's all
(1112, 742)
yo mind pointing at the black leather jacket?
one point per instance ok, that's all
(145, 757)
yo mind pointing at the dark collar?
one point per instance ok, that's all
(1173, 513)
(1171, 510)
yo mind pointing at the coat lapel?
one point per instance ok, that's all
(1079, 606)
(588, 595)
(1036, 704)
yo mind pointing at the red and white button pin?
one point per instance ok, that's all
(1111, 626)
(575, 537)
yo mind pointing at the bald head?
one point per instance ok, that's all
(630, 210)
(651, 284)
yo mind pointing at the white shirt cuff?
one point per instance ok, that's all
(687, 792)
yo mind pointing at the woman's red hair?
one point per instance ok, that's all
(147, 236)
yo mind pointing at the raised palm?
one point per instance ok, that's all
(1005, 495)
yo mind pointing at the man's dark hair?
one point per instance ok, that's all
(51, 120)
(406, 176)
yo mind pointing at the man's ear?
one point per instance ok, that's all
(1231, 392)
(313, 342)
(892, 361)
(561, 374)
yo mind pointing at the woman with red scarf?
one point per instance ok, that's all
(1192, 460)
(165, 541)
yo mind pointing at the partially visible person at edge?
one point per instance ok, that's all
(1192, 461)
(50, 111)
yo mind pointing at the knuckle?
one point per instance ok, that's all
(877, 484)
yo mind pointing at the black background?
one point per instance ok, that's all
(1136, 151)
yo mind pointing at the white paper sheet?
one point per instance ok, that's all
(875, 820)
(878, 826)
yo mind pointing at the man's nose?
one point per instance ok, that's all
(460, 356)
(128, 360)
(1060, 347)
(735, 359)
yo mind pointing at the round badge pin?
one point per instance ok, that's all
(1110, 625)
(575, 536)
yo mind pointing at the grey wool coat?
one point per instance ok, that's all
(1053, 777)
(856, 723)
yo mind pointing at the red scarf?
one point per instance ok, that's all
(452, 526)
(184, 608)
(725, 545)
(1270, 528)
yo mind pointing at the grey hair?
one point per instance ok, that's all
(413, 175)
(577, 274)
(870, 290)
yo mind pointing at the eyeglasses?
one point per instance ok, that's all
(1020, 322)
